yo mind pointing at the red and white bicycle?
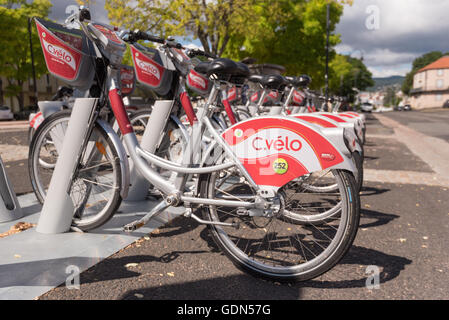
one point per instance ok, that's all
(247, 189)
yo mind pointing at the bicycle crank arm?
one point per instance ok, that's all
(189, 214)
(130, 227)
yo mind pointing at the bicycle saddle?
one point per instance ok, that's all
(222, 67)
(301, 81)
(270, 82)
(243, 74)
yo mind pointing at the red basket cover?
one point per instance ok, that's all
(150, 73)
(198, 82)
(127, 80)
(65, 53)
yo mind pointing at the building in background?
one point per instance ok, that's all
(46, 88)
(431, 85)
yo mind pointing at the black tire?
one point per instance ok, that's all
(31, 131)
(90, 212)
(36, 136)
(310, 269)
(358, 159)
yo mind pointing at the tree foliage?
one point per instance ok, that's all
(347, 73)
(212, 22)
(15, 57)
(291, 33)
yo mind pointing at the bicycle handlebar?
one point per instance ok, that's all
(140, 35)
(199, 52)
(134, 36)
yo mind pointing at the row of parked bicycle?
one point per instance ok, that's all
(253, 157)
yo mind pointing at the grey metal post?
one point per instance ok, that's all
(150, 141)
(58, 209)
(9, 206)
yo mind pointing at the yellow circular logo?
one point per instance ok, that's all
(280, 166)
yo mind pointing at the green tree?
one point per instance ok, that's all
(212, 22)
(390, 98)
(347, 73)
(418, 64)
(15, 57)
(290, 33)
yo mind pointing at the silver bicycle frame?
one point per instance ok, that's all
(143, 160)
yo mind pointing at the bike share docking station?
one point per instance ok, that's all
(35, 261)
(57, 212)
(159, 115)
(9, 205)
(58, 209)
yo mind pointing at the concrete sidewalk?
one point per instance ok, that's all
(433, 151)
(32, 263)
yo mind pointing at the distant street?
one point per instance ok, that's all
(433, 122)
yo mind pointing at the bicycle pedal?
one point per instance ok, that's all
(130, 227)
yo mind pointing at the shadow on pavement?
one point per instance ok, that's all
(243, 286)
(370, 191)
(380, 218)
(390, 265)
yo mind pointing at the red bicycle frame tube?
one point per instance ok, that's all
(120, 112)
(187, 105)
(229, 111)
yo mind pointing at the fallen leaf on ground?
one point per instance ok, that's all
(170, 274)
(131, 265)
(402, 239)
(18, 227)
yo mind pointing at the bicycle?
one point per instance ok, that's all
(243, 208)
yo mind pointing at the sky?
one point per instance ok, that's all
(405, 30)
(389, 34)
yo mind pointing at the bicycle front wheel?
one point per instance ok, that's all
(274, 246)
(96, 184)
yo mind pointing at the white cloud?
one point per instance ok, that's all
(407, 29)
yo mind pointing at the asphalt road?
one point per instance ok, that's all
(403, 233)
(432, 122)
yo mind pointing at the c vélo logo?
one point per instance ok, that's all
(279, 144)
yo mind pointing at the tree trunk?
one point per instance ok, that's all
(1, 92)
(20, 96)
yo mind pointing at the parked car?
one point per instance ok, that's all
(407, 107)
(5, 113)
(399, 108)
(446, 104)
(366, 107)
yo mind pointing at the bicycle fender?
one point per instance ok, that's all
(333, 131)
(352, 123)
(36, 120)
(123, 158)
(276, 150)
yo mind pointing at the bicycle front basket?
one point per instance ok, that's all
(127, 80)
(68, 53)
(150, 70)
(198, 82)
